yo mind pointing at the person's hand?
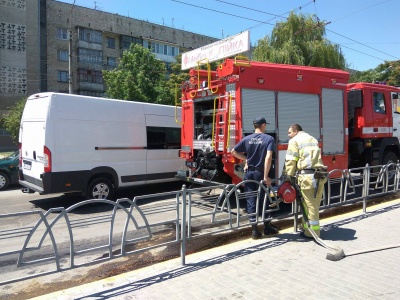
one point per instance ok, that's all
(245, 166)
(267, 180)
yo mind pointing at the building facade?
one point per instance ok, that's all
(38, 38)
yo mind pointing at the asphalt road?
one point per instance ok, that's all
(13, 200)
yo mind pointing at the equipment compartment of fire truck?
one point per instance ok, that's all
(218, 109)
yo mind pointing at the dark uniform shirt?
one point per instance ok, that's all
(256, 146)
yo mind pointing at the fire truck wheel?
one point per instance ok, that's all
(100, 188)
(390, 157)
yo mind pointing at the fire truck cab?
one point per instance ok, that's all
(374, 124)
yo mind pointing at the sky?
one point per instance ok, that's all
(367, 31)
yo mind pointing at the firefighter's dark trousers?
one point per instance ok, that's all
(251, 188)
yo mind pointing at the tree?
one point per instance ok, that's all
(300, 40)
(387, 73)
(138, 77)
(11, 121)
(178, 77)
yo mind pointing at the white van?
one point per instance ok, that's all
(72, 143)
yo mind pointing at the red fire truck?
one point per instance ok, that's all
(355, 124)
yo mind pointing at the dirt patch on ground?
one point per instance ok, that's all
(60, 281)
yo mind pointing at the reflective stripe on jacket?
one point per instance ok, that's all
(303, 153)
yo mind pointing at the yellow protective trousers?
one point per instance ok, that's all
(311, 208)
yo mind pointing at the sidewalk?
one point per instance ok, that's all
(282, 267)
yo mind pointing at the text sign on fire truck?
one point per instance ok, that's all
(230, 46)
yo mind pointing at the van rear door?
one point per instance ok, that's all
(32, 142)
(32, 151)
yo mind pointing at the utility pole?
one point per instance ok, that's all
(70, 82)
(70, 74)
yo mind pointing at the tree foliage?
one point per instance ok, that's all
(177, 77)
(175, 80)
(386, 73)
(300, 40)
(138, 77)
(12, 119)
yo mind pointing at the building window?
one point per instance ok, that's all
(111, 62)
(126, 41)
(62, 55)
(90, 56)
(111, 43)
(90, 36)
(62, 76)
(90, 76)
(62, 34)
(91, 93)
(4, 132)
(159, 48)
(168, 67)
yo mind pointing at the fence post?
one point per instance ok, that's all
(295, 216)
(183, 225)
(366, 178)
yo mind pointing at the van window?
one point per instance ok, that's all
(163, 138)
(379, 103)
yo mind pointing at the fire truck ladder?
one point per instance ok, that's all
(221, 122)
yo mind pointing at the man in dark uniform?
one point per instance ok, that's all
(256, 150)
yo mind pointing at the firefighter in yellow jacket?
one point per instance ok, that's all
(303, 159)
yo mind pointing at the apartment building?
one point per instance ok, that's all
(35, 47)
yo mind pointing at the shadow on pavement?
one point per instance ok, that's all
(188, 268)
(67, 200)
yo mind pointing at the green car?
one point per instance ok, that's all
(9, 170)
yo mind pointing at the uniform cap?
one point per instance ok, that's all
(260, 120)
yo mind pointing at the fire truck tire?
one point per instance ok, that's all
(390, 157)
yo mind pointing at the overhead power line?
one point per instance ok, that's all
(355, 12)
(361, 44)
(264, 22)
(225, 13)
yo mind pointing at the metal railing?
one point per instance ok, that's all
(57, 240)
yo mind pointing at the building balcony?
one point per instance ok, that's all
(90, 66)
(86, 45)
(91, 86)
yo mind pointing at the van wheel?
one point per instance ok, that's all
(100, 188)
(4, 181)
